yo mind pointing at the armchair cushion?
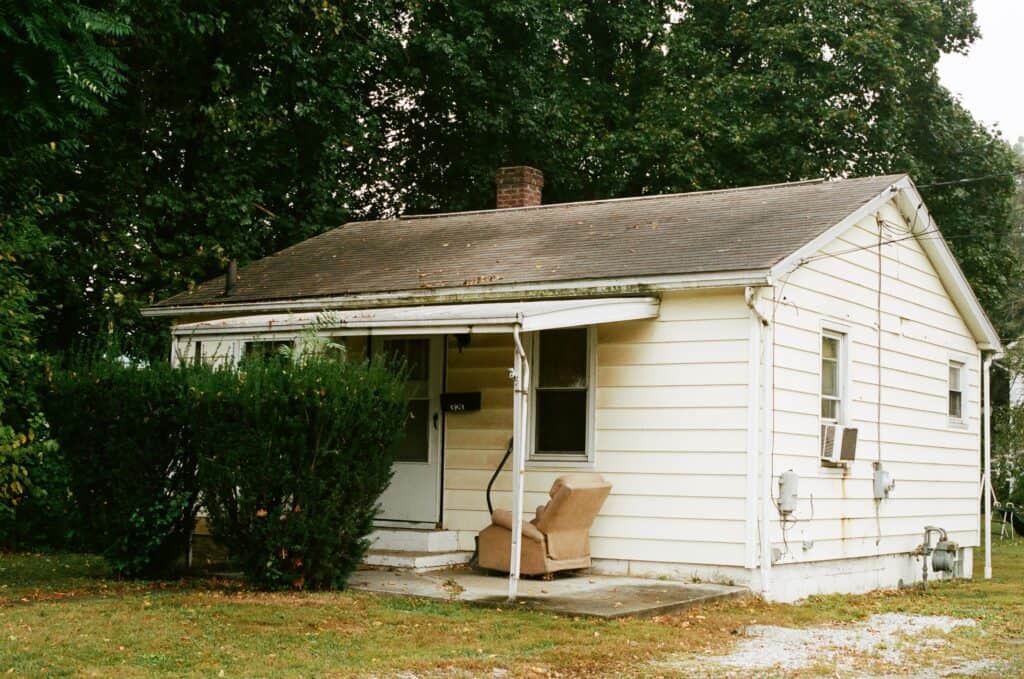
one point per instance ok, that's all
(503, 518)
(575, 501)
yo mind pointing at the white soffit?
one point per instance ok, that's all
(493, 317)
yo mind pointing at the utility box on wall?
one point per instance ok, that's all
(789, 493)
(883, 482)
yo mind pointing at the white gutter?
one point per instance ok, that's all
(435, 318)
(479, 293)
(986, 377)
(764, 406)
(520, 404)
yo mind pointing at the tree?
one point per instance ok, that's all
(243, 128)
(1013, 308)
(58, 74)
(626, 98)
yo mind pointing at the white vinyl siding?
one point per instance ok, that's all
(898, 357)
(670, 434)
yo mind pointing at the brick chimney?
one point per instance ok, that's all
(519, 186)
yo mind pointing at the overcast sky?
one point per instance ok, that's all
(989, 78)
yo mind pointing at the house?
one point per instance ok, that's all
(783, 383)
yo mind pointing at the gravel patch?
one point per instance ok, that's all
(890, 638)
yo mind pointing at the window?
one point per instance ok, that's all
(266, 350)
(414, 353)
(563, 373)
(832, 376)
(956, 390)
(197, 354)
(355, 348)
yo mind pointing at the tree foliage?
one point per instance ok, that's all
(59, 75)
(229, 130)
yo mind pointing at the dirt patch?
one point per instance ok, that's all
(885, 640)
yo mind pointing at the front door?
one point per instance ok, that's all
(415, 491)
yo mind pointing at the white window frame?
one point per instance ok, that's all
(955, 421)
(842, 334)
(535, 459)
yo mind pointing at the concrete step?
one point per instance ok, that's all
(417, 561)
(413, 540)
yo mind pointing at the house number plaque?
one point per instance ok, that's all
(460, 402)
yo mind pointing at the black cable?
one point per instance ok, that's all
(931, 234)
(970, 180)
(490, 484)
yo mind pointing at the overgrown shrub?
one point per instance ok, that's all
(294, 457)
(290, 458)
(125, 433)
(35, 507)
(14, 479)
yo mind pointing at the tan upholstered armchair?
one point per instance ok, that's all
(558, 537)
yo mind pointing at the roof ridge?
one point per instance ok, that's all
(624, 199)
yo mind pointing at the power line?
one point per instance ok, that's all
(928, 234)
(970, 180)
(826, 255)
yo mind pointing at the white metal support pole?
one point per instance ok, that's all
(521, 384)
(765, 457)
(986, 378)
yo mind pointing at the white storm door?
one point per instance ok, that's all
(414, 496)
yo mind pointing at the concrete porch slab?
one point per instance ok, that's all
(418, 561)
(600, 596)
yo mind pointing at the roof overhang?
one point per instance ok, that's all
(606, 287)
(497, 317)
(912, 206)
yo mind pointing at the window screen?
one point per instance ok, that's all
(831, 377)
(956, 391)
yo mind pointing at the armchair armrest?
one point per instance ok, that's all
(503, 518)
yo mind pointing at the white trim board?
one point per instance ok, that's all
(495, 317)
(911, 205)
(481, 293)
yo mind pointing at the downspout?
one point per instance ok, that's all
(986, 379)
(764, 407)
(521, 386)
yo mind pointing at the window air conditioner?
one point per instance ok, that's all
(838, 445)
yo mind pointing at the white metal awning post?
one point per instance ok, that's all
(986, 376)
(520, 405)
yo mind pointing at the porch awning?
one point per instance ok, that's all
(490, 317)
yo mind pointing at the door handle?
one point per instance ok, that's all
(435, 420)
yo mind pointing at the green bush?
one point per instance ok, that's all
(14, 479)
(294, 457)
(125, 433)
(35, 507)
(288, 458)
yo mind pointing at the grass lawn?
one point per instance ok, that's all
(60, 615)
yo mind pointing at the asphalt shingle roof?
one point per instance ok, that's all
(747, 229)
